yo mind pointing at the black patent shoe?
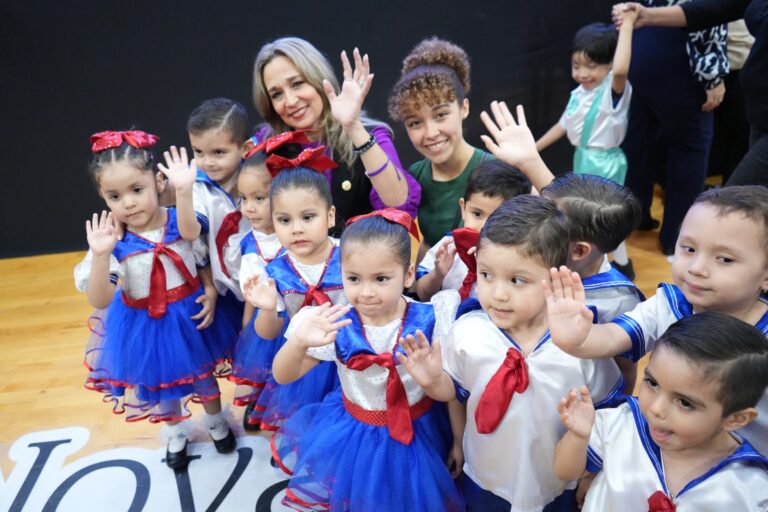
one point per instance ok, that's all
(177, 460)
(249, 427)
(227, 444)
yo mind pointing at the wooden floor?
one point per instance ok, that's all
(42, 337)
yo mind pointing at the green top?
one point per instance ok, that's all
(439, 208)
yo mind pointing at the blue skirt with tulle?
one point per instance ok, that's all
(252, 363)
(151, 367)
(340, 463)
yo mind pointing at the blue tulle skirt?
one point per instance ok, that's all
(277, 402)
(252, 363)
(149, 368)
(229, 320)
(340, 463)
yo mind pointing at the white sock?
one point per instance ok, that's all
(620, 255)
(177, 437)
(217, 426)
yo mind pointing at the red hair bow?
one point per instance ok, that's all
(136, 138)
(392, 215)
(311, 158)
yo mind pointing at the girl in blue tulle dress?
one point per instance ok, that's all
(154, 346)
(379, 442)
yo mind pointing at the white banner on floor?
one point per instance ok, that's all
(137, 479)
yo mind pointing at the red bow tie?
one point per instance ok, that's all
(229, 226)
(660, 502)
(157, 300)
(315, 296)
(510, 378)
(464, 239)
(398, 411)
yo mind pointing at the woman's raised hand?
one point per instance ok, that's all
(346, 105)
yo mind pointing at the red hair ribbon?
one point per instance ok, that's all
(660, 502)
(136, 138)
(464, 239)
(392, 215)
(311, 158)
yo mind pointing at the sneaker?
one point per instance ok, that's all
(628, 270)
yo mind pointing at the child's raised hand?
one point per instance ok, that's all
(180, 171)
(101, 233)
(577, 412)
(261, 293)
(444, 257)
(345, 106)
(320, 325)
(567, 314)
(208, 310)
(422, 361)
(512, 142)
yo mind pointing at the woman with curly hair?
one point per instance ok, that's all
(431, 99)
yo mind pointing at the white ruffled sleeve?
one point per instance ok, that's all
(83, 271)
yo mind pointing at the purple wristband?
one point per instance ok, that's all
(381, 169)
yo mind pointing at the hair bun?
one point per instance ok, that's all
(439, 52)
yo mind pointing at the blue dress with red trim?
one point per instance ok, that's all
(146, 354)
(277, 402)
(252, 361)
(344, 456)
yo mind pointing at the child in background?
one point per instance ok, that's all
(492, 354)
(206, 194)
(445, 266)
(252, 361)
(148, 356)
(431, 100)
(307, 274)
(674, 447)
(601, 214)
(597, 114)
(720, 264)
(379, 443)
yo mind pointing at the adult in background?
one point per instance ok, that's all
(295, 88)
(753, 168)
(678, 80)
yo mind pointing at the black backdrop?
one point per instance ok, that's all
(69, 69)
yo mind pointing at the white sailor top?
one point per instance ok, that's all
(515, 461)
(455, 277)
(132, 259)
(647, 322)
(212, 204)
(248, 256)
(609, 293)
(300, 285)
(631, 470)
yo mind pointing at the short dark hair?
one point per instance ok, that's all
(597, 41)
(749, 200)
(378, 229)
(532, 223)
(494, 178)
(301, 178)
(726, 348)
(220, 114)
(599, 211)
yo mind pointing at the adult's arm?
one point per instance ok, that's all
(701, 14)
(413, 198)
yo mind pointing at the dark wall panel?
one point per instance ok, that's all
(69, 69)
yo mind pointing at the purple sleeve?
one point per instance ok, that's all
(411, 204)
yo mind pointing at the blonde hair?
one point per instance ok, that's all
(314, 67)
(434, 72)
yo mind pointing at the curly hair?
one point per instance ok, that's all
(436, 71)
